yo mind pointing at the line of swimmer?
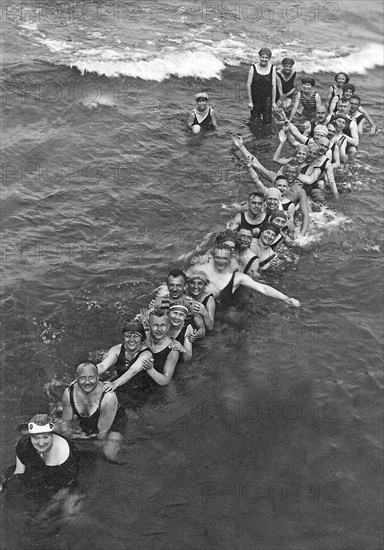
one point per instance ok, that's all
(322, 138)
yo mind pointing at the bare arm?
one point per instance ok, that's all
(67, 413)
(365, 113)
(191, 119)
(295, 132)
(274, 86)
(310, 180)
(354, 139)
(255, 178)
(129, 374)
(169, 367)
(245, 280)
(213, 118)
(210, 308)
(276, 156)
(20, 468)
(330, 92)
(331, 179)
(336, 156)
(109, 360)
(249, 84)
(108, 408)
(333, 104)
(318, 100)
(199, 322)
(234, 224)
(295, 106)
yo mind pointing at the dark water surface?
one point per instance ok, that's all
(271, 438)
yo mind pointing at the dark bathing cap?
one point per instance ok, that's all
(265, 51)
(308, 80)
(134, 327)
(270, 227)
(340, 116)
(288, 61)
(277, 214)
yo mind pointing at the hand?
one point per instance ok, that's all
(250, 105)
(109, 386)
(282, 136)
(372, 130)
(274, 106)
(191, 334)
(177, 346)
(147, 364)
(237, 140)
(293, 302)
(200, 309)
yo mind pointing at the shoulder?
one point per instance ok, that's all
(108, 399)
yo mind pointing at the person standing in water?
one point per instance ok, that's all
(202, 117)
(261, 87)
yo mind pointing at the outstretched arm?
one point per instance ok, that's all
(276, 156)
(365, 113)
(295, 106)
(310, 180)
(109, 360)
(245, 280)
(304, 212)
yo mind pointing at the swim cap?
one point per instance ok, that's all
(341, 116)
(299, 148)
(272, 193)
(277, 214)
(202, 94)
(320, 129)
(198, 274)
(349, 87)
(134, 327)
(346, 77)
(308, 80)
(265, 51)
(270, 227)
(288, 61)
(179, 307)
(40, 424)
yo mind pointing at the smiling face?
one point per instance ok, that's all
(306, 87)
(264, 59)
(282, 185)
(343, 107)
(279, 222)
(196, 287)
(341, 80)
(291, 172)
(331, 131)
(340, 123)
(177, 317)
(158, 326)
(87, 378)
(221, 258)
(132, 341)
(244, 238)
(176, 286)
(300, 156)
(323, 144)
(255, 204)
(321, 114)
(267, 237)
(287, 68)
(42, 442)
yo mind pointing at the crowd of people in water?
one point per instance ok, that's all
(320, 135)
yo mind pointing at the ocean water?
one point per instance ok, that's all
(271, 437)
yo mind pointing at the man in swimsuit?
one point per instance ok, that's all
(164, 351)
(224, 281)
(253, 218)
(177, 284)
(97, 413)
(350, 131)
(321, 117)
(203, 117)
(358, 114)
(244, 255)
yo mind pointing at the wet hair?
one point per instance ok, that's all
(349, 87)
(225, 236)
(177, 273)
(134, 326)
(356, 97)
(255, 194)
(277, 214)
(345, 74)
(343, 100)
(85, 364)
(279, 178)
(41, 419)
(308, 80)
(158, 313)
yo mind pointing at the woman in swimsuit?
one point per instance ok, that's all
(337, 90)
(300, 154)
(307, 101)
(179, 332)
(224, 281)
(203, 117)
(261, 87)
(285, 83)
(262, 247)
(203, 302)
(127, 357)
(348, 91)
